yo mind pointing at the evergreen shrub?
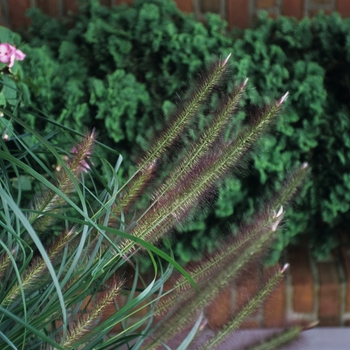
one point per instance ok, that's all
(118, 70)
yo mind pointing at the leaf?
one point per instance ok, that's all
(22, 182)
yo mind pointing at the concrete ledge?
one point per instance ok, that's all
(313, 339)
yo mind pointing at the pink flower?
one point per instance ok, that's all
(8, 54)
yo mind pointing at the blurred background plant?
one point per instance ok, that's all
(144, 53)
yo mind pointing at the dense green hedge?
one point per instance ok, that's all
(120, 70)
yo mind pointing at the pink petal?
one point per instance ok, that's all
(12, 60)
(19, 55)
(5, 52)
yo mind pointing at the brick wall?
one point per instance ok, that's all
(311, 291)
(239, 13)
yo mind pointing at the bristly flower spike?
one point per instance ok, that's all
(290, 186)
(221, 275)
(189, 192)
(134, 189)
(189, 164)
(283, 99)
(81, 152)
(284, 268)
(179, 121)
(5, 261)
(89, 320)
(192, 191)
(182, 118)
(247, 310)
(185, 114)
(244, 84)
(226, 60)
(237, 253)
(279, 213)
(225, 255)
(49, 200)
(278, 218)
(37, 270)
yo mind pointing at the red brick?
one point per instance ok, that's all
(105, 2)
(50, 7)
(250, 323)
(329, 294)
(345, 258)
(210, 6)
(238, 13)
(302, 280)
(2, 11)
(17, 10)
(275, 304)
(293, 8)
(185, 5)
(343, 7)
(263, 4)
(70, 6)
(246, 287)
(321, 2)
(128, 2)
(312, 13)
(219, 312)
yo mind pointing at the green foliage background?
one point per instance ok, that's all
(120, 70)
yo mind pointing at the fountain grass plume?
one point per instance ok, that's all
(172, 132)
(222, 275)
(200, 175)
(178, 122)
(36, 274)
(219, 269)
(245, 311)
(89, 319)
(49, 201)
